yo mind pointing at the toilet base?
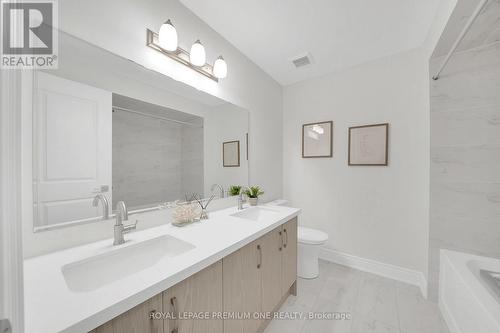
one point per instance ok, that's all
(308, 265)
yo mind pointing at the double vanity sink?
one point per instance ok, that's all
(119, 262)
(78, 289)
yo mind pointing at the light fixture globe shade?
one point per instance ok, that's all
(197, 56)
(167, 37)
(220, 68)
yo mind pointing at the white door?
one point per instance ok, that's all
(72, 125)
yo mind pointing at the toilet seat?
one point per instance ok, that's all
(311, 236)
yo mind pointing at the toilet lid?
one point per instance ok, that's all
(311, 236)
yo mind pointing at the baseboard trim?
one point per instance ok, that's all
(390, 271)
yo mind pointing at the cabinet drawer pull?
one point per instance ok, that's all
(260, 256)
(281, 241)
(173, 304)
(286, 238)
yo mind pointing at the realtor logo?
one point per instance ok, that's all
(29, 34)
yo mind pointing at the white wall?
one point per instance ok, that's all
(380, 213)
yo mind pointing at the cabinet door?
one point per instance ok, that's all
(289, 274)
(200, 293)
(242, 287)
(136, 320)
(272, 249)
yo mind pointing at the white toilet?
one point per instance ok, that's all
(309, 244)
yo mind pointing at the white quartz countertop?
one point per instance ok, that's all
(50, 306)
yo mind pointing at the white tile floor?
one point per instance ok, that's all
(376, 304)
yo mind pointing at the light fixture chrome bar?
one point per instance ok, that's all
(468, 25)
(180, 55)
(118, 108)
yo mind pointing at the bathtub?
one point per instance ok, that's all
(469, 297)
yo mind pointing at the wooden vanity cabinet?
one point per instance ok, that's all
(201, 292)
(252, 280)
(242, 278)
(272, 249)
(289, 257)
(198, 294)
(259, 276)
(136, 320)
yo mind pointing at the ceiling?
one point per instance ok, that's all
(485, 29)
(337, 33)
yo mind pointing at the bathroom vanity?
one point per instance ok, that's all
(254, 279)
(117, 149)
(237, 262)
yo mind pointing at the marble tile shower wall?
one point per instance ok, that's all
(148, 161)
(192, 177)
(465, 157)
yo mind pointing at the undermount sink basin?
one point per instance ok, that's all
(256, 214)
(94, 272)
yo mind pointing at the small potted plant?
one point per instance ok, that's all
(253, 194)
(234, 190)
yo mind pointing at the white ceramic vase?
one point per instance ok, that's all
(253, 201)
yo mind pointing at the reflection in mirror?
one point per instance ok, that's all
(157, 153)
(106, 130)
(231, 153)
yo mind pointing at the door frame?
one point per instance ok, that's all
(11, 249)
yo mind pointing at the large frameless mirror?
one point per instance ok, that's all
(106, 128)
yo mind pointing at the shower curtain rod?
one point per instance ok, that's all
(119, 108)
(468, 25)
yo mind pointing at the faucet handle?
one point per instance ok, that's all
(129, 227)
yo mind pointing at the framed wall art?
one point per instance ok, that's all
(369, 145)
(317, 139)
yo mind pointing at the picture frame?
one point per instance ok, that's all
(231, 154)
(369, 145)
(317, 139)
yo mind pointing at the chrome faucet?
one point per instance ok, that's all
(105, 205)
(221, 189)
(120, 229)
(240, 197)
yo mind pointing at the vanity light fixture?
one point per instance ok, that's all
(198, 57)
(220, 68)
(167, 37)
(166, 42)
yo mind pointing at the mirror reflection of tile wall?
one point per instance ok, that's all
(155, 160)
